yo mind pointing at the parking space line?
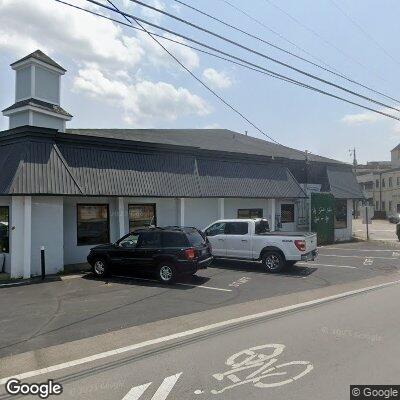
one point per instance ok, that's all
(180, 284)
(354, 249)
(363, 257)
(327, 265)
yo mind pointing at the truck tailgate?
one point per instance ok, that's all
(311, 242)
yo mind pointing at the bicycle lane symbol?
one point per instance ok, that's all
(264, 373)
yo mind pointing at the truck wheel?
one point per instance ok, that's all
(273, 261)
(100, 267)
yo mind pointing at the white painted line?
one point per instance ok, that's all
(68, 277)
(180, 284)
(363, 257)
(13, 284)
(191, 332)
(353, 249)
(166, 387)
(326, 265)
(136, 392)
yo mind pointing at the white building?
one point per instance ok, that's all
(68, 190)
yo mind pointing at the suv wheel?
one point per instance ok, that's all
(166, 272)
(100, 267)
(273, 261)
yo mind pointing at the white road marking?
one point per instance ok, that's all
(326, 265)
(341, 256)
(13, 284)
(136, 392)
(166, 387)
(368, 261)
(352, 249)
(179, 284)
(396, 254)
(191, 332)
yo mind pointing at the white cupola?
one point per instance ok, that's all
(37, 93)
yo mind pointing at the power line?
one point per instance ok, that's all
(363, 31)
(327, 42)
(195, 76)
(308, 74)
(330, 69)
(256, 68)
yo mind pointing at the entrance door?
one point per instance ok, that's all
(322, 217)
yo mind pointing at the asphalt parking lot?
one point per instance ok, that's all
(77, 307)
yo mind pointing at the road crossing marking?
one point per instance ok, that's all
(327, 265)
(368, 261)
(162, 392)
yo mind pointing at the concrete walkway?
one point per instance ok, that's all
(381, 230)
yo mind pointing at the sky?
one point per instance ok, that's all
(118, 77)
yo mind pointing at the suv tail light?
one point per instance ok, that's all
(189, 253)
(300, 244)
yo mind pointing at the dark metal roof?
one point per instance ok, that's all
(205, 139)
(39, 104)
(47, 167)
(233, 179)
(343, 183)
(39, 55)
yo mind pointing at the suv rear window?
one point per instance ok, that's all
(174, 239)
(195, 239)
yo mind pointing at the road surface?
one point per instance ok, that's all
(313, 352)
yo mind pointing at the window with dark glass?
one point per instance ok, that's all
(149, 240)
(287, 213)
(236, 228)
(383, 182)
(174, 239)
(216, 229)
(93, 224)
(340, 213)
(377, 183)
(261, 227)
(4, 230)
(390, 181)
(246, 213)
(141, 215)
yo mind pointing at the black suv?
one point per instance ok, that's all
(167, 252)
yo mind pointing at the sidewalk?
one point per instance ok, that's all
(381, 230)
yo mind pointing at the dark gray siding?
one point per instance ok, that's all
(343, 183)
(239, 179)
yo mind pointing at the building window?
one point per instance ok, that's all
(340, 213)
(93, 224)
(383, 206)
(398, 208)
(377, 205)
(377, 183)
(390, 181)
(4, 230)
(398, 181)
(141, 215)
(246, 213)
(383, 182)
(287, 213)
(390, 206)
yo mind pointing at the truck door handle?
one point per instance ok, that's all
(244, 240)
(221, 239)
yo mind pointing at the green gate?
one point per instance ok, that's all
(322, 217)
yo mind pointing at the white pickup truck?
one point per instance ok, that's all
(251, 239)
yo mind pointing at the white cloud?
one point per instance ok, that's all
(360, 118)
(160, 58)
(141, 101)
(217, 79)
(54, 27)
(152, 15)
